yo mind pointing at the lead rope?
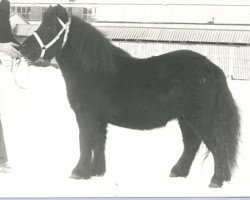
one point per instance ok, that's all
(15, 69)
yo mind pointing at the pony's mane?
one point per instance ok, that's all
(90, 47)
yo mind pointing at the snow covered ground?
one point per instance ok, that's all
(42, 141)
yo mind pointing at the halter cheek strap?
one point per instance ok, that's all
(65, 27)
(40, 42)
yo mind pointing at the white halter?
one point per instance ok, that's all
(65, 27)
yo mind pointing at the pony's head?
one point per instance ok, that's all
(86, 48)
(49, 37)
(5, 28)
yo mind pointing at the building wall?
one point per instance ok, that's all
(174, 13)
(77, 11)
(36, 13)
(161, 13)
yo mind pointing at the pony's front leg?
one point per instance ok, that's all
(87, 127)
(98, 160)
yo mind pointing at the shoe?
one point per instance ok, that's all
(4, 167)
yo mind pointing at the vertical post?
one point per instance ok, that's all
(231, 63)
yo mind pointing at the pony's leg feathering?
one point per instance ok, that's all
(92, 146)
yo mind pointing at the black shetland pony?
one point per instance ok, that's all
(5, 36)
(106, 85)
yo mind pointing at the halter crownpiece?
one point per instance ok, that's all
(65, 27)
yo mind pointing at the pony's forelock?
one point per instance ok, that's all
(54, 12)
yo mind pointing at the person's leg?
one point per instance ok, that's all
(3, 154)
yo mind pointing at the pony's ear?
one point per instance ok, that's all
(60, 6)
(61, 12)
(5, 5)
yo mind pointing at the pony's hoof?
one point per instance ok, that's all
(77, 177)
(98, 173)
(215, 185)
(216, 182)
(98, 170)
(74, 176)
(173, 175)
(176, 172)
(83, 173)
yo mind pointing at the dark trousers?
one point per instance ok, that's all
(3, 153)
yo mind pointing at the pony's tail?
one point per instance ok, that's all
(227, 124)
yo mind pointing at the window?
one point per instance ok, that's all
(24, 11)
(13, 9)
(84, 11)
(89, 14)
(19, 9)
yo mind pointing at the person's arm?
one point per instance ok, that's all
(9, 48)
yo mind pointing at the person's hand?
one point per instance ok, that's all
(9, 48)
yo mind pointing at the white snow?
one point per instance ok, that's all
(42, 142)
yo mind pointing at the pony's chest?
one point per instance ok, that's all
(85, 96)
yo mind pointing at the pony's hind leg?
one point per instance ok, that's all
(191, 145)
(221, 167)
(98, 160)
(206, 130)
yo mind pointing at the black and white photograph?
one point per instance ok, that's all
(124, 98)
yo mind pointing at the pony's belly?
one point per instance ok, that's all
(138, 126)
(144, 111)
(141, 119)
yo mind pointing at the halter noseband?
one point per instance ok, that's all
(65, 27)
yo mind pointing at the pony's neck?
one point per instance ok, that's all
(87, 49)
